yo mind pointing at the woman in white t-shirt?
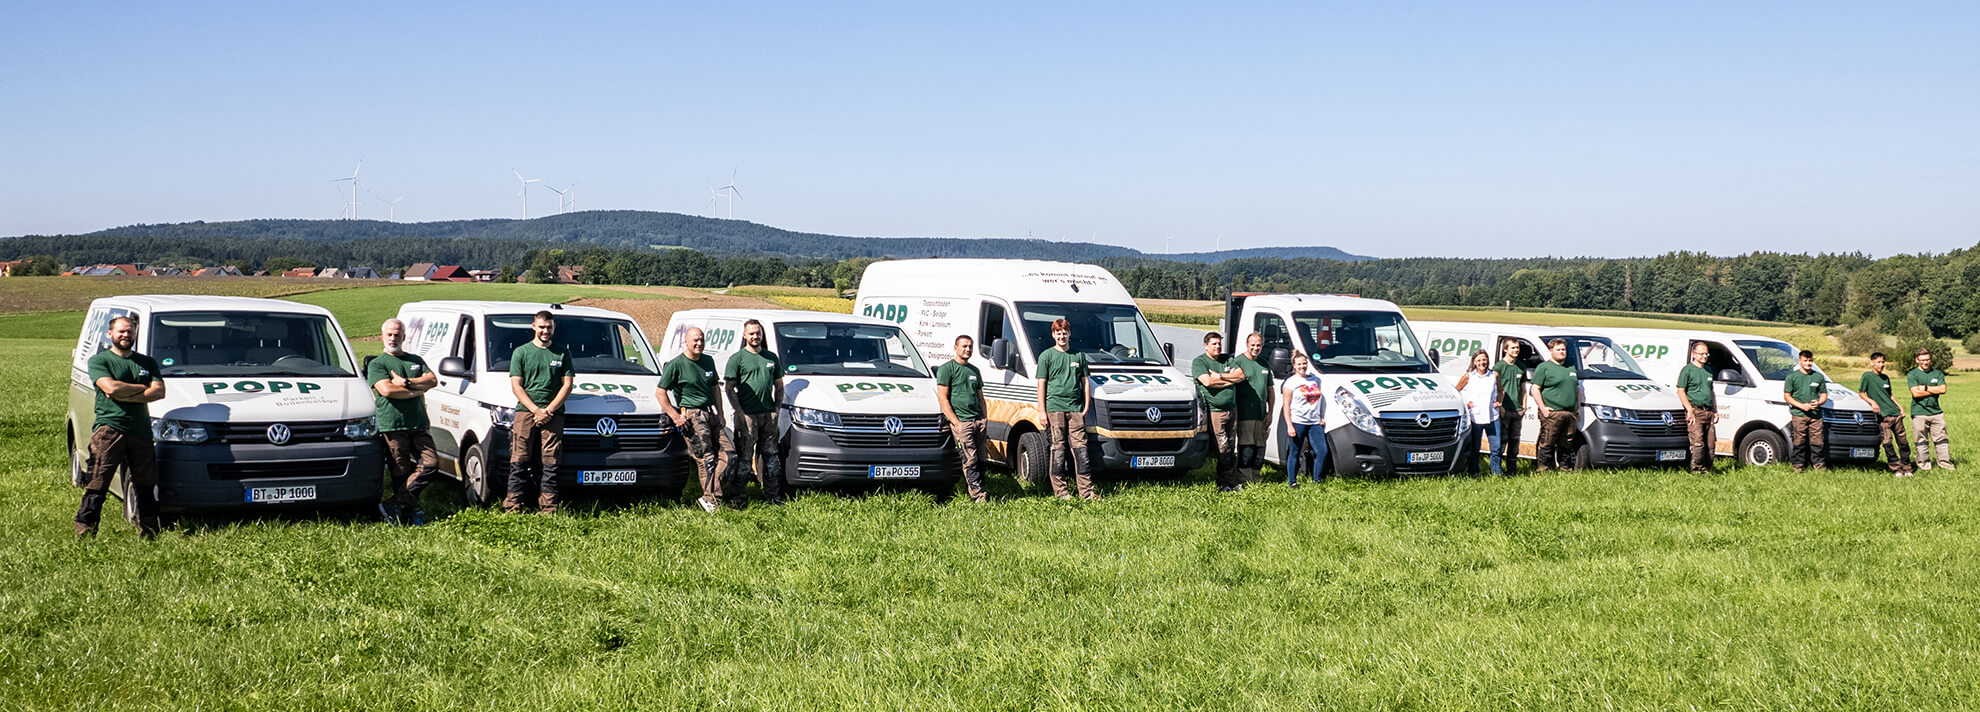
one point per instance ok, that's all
(1306, 421)
(1479, 389)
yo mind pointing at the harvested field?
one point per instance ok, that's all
(652, 314)
(28, 295)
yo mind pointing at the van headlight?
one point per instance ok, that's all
(360, 428)
(1356, 412)
(1611, 413)
(167, 430)
(503, 416)
(813, 418)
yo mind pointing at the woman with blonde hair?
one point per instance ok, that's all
(1306, 421)
(1479, 389)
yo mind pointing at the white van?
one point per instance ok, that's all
(1389, 411)
(1144, 410)
(1625, 418)
(264, 403)
(1748, 372)
(615, 436)
(859, 402)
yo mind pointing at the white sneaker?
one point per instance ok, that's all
(708, 505)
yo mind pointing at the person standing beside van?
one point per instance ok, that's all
(1254, 409)
(1701, 408)
(1928, 422)
(1479, 387)
(1064, 399)
(540, 373)
(1875, 388)
(399, 382)
(1806, 390)
(1215, 378)
(755, 381)
(1306, 421)
(125, 382)
(690, 379)
(959, 388)
(1556, 389)
(1511, 380)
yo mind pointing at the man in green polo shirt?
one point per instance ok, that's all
(1556, 387)
(1701, 408)
(1875, 388)
(1511, 381)
(959, 389)
(1064, 399)
(1806, 389)
(540, 373)
(1928, 422)
(756, 386)
(125, 382)
(687, 393)
(1216, 386)
(1254, 409)
(399, 381)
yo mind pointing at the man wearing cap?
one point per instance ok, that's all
(1928, 422)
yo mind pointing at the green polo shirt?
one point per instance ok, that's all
(691, 380)
(755, 377)
(1251, 397)
(1929, 405)
(542, 371)
(1064, 374)
(126, 418)
(1557, 386)
(965, 388)
(1512, 396)
(1220, 400)
(1878, 387)
(396, 414)
(1805, 387)
(1696, 382)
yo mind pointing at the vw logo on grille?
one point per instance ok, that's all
(278, 434)
(607, 427)
(1423, 420)
(1859, 417)
(893, 425)
(1154, 414)
(1668, 419)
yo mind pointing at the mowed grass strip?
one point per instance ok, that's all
(1755, 589)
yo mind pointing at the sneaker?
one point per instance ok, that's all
(981, 499)
(1924, 466)
(1090, 497)
(1292, 485)
(708, 505)
(418, 517)
(1063, 497)
(85, 531)
(388, 512)
(1948, 467)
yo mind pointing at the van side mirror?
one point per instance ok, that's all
(1169, 350)
(1731, 376)
(1002, 355)
(1436, 359)
(454, 367)
(1281, 362)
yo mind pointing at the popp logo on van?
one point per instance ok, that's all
(1415, 383)
(1132, 378)
(1449, 345)
(870, 387)
(589, 387)
(270, 387)
(1649, 351)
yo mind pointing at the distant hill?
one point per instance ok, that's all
(643, 229)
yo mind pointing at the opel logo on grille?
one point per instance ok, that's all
(1423, 420)
(607, 427)
(1668, 419)
(893, 425)
(1154, 414)
(278, 434)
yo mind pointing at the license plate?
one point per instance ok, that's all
(894, 472)
(1863, 452)
(272, 495)
(608, 477)
(1670, 455)
(1153, 461)
(1433, 456)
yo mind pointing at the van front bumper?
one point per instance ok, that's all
(813, 458)
(1354, 450)
(1847, 439)
(224, 476)
(665, 469)
(1119, 454)
(1612, 443)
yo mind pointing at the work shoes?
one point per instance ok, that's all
(708, 505)
(85, 531)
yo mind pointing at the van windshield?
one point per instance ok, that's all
(1360, 341)
(230, 343)
(1774, 359)
(1599, 358)
(596, 344)
(827, 349)
(1105, 333)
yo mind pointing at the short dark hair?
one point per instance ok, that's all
(544, 315)
(1212, 335)
(1551, 343)
(1058, 324)
(123, 318)
(758, 324)
(963, 337)
(1922, 352)
(1805, 353)
(1876, 355)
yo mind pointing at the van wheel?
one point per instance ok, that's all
(129, 493)
(1761, 447)
(78, 464)
(482, 491)
(1584, 457)
(1031, 451)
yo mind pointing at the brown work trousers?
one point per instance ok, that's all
(1555, 448)
(1066, 434)
(756, 447)
(1807, 447)
(1251, 437)
(1897, 447)
(709, 445)
(969, 436)
(1224, 443)
(110, 448)
(413, 462)
(538, 442)
(1703, 435)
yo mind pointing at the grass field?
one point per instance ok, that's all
(1637, 589)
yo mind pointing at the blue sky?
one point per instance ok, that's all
(1390, 129)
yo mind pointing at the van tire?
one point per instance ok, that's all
(129, 493)
(1584, 456)
(481, 490)
(1031, 451)
(78, 464)
(1762, 447)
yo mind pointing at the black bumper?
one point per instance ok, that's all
(1842, 435)
(1615, 444)
(219, 477)
(811, 457)
(1353, 450)
(1118, 454)
(666, 469)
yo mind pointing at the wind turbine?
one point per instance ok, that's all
(352, 212)
(733, 195)
(566, 198)
(392, 213)
(523, 192)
